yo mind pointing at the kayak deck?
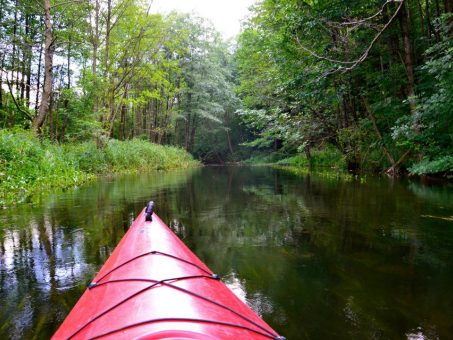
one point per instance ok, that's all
(154, 287)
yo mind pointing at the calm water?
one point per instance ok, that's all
(316, 258)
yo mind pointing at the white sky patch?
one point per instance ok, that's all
(226, 15)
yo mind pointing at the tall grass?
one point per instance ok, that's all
(29, 165)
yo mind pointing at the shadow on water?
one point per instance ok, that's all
(316, 257)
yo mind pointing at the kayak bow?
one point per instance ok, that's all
(154, 287)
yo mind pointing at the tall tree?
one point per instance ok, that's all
(48, 72)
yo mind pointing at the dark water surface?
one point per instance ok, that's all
(317, 258)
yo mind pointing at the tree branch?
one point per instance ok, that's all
(378, 132)
(14, 98)
(306, 49)
(362, 58)
(376, 38)
(67, 3)
(361, 21)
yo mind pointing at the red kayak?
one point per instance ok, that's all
(154, 287)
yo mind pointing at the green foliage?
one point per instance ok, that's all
(264, 159)
(435, 110)
(207, 100)
(442, 164)
(430, 132)
(319, 173)
(328, 157)
(138, 155)
(29, 165)
(301, 88)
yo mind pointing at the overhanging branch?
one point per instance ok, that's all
(354, 63)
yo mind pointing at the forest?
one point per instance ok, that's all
(361, 85)
(371, 79)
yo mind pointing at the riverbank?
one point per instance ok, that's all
(29, 165)
(331, 160)
(328, 159)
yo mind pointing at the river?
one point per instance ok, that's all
(318, 257)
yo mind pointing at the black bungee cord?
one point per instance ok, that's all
(164, 282)
(154, 252)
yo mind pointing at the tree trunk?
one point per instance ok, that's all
(138, 122)
(431, 29)
(122, 132)
(25, 58)
(448, 6)
(28, 85)
(107, 38)
(108, 127)
(422, 17)
(192, 134)
(38, 84)
(155, 121)
(48, 64)
(392, 170)
(226, 122)
(379, 135)
(408, 58)
(68, 86)
(345, 110)
(13, 58)
(66, 100)
(51, 124)
(95, 39)
(22, 77)
(437, 9)
(186, 133)
(150, 120)
(409, 65)
(393, 40)
(230, 145)
(449, 10)
(187, 123)
(308, 156)
(108, 100)
(31, 36)
(428, 19)
(1, 81)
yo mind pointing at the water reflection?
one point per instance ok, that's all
(315, 257)
(178, 228)
(46, 256)
(259, 302)
(422, 334)
(50, 250)
(36, 263)
(235, 284)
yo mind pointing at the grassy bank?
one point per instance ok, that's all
(29, 165)
(327, 158)
(323, 173)
(327, 163)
